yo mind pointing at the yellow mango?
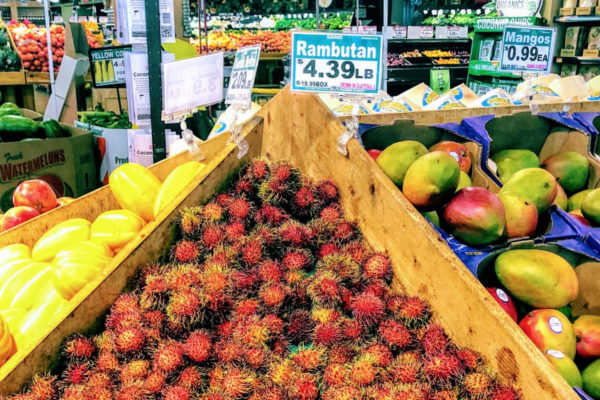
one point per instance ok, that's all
(135, 188)
(177, 180)
(14, 252)
(62, 235)
(116, 228)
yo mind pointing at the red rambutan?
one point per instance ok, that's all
(244, 281)
(185, 306)
(327, 249)
(294, 233)
(441, 368)
(445, 395)
(76, 374)
(271, 216)
(343, 265)
(73, 392)
(244, 187)
(246, 307)
(502, 392)
(228, 351)
(300, 326)
(327, 334)
(177, 392)
(212, 236)
(235, 231)
(296, 260)
(198, 346)
(135, 370)
(186, 252)
(367, 308)
(43, 387)
(362, 373)
(190, 222)
(252, 252)
(377, 267)
(130, 340)
(412, 311)
(126, 303)
(395, 334)
(357, 251)
(270, 271)
(309, 358)
(155, 382)
(344, 231)
(343, 392)
(434, 340)
(405, 368)
(273, 294)
(257, 170)
(470, 358)
(240, 209)
(351, 329)
(324, 288)
(273, 323)
(327, 191)
(335, 374)
(223, 199)
(256, 357)
(331, 214)
(212, 213)
(233, 382)
(168, 357)
(100, 380)
(477, 385)
(107, 362)
(303, 387)
(378, 288)
(190, 378)
(340, 354)
(79, 347)
(379, 354)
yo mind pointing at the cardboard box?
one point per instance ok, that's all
(67, 164)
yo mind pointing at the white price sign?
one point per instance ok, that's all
(191, 83)
(243, 73)
(527, 49)
(336, 63)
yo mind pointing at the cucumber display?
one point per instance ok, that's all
(14, 128)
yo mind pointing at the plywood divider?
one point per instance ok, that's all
(423, 263)
(95, 299)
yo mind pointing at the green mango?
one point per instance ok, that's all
(511, 161)
(433, 217)
(565, 366)
(570, 169)
(574, 202)
(464, 181)
(590, 207)
(396, 159)
(536, 185)
(591, 379)
(538, 278)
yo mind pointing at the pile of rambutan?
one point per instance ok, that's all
(269, 293)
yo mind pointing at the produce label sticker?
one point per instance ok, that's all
(243, 73)
(191, 83)
(336, 63)
(527, 49)
(108, 66)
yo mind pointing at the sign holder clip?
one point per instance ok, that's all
(235, 132)
(186, 134)
(351, 126)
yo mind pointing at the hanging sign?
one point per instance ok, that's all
(336, 63)
(518, 8)
(108, 66)
(243, 73)
(191, 83)
(527, 49)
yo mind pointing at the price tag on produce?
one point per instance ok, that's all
(191, 83)
(336, 63)
(108, 66)
(242, 75)
(527, 49)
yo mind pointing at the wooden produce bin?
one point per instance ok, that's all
(93, 300)
(298, 128)
(444, 116)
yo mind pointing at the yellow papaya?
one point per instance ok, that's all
(177, 180)
(62, 235)
(15, 252)
(116, 228)
(135, 189)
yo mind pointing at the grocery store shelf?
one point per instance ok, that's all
(409, 68)
(489, 68)
(12, 78)
(578, 19)
(577, 60)
(272, 56)
(422, 73)
(430, 41)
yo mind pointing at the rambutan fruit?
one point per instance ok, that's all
(451, 394)
(300, 326)
(367, 309)
(273, 294)
(294, 234)
(434, 340)
(362, 373)
(235, 231)
(78, 347)
(324, 288)
(232, 381)
(269, 392)
(273, 323)
(126, 303)
(440, 369)
(76, 374)
(244, 281)
(154, 293)
(190, 222)
(295, 260)
(181, 277)
(340, 354)
(105, 341)
(405, 368)
(43, 387)
(73, 392)
(256, 170)
(107, 362)
(256, 357)
(228, 351)
(395, 334)
(343, 265)
(212, 236)
(190, 378)
(240, 209)
(212, 213)
(345, 231)
(303, 387)
(252, 252)
(344, 392)
(100, 380)
(155, 382)
(412, 311)
(477, 385)
(135, 370)
(503, 392)
(177, 392)
(352, 329)
(271, 215)
(325, 315)
(99, 394)
(198, 346)
(130, 340)
(305, 202)
(377, 267)
(357, 251)
(327, 334)
(212, 394)
(327, 191)
(186, 252)
(470, 358)
(411, 392)
(379, 354)
(284, 172)
(378, 288)
(154, 319)
(252, 331)
(331, 214)
(168, 357)
(185, 306)
(270, 271)
(309, 358)
(281, 347)
(246, 307)
(223, 199)
(335, 374)
(327, 249)
(244, 187)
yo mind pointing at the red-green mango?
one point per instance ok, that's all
(396, 159)
(565, 366)
(550, 330)
(587, 330)
(533, 184)
(570, 169)
(521, 216)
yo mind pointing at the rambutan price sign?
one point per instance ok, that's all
(243, 73)
(336, 63)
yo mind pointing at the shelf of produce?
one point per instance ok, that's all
(577, 60)
(91, 301)
(300, 129)
(12, 78)
(578, 19)
(37, 77)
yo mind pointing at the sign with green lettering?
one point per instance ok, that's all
(527, 49)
